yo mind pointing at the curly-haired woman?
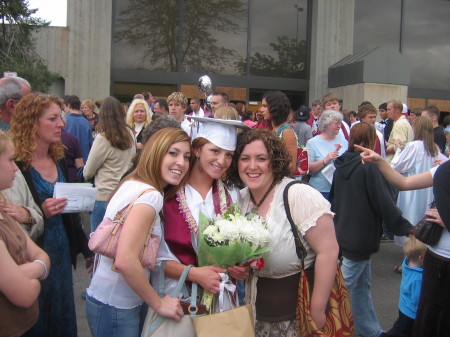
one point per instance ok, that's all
(275, 108)
(36, 134)
(261, 161)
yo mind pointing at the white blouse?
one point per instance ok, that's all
(306, 205)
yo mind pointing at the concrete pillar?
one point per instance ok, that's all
(89, 48)
(376, 93)
(331, 40)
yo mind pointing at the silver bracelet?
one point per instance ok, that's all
(45, 267)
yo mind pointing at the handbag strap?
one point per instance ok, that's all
(160, 319)
(123, 214)
(162, 283)
(299, 248)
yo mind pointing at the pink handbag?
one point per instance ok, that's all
(105, 238)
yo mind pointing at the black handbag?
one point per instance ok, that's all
(428, 232)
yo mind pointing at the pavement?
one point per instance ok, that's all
(385, 287)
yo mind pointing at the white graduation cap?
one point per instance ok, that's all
(220, 132)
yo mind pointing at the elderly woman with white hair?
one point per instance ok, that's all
(139, 116)
(324, 149)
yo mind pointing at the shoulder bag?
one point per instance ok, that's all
(159, 326)
(106, 237)
(428, 232)
(339, 317)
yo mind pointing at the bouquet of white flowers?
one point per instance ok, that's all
(227, 240)
(231, 238)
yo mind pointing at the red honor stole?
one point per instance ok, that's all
(177, 229)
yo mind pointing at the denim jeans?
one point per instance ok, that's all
(357, 275)
(97, 214)
(108, 321)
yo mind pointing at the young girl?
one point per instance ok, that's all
(114, 299)
(22, 262)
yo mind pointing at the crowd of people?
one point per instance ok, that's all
(175, 159)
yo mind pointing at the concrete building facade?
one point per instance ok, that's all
(93, 64)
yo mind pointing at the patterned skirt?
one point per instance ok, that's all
(280, 329)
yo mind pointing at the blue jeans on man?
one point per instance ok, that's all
(357, 276)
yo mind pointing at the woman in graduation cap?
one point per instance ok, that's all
(205, 192)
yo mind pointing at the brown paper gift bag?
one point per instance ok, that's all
(236, 322)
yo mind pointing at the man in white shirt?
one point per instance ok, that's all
(197, 110)
(177, 106)
(382, 110)
(367, 113)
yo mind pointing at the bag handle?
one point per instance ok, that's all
(123, 215)
(299, 248)
(160, 319)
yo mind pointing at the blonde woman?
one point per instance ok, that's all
(36, 134)
(87, 109)
(138, 117)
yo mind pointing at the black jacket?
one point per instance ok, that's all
(78, 240)
(361, 198)
(441, 190)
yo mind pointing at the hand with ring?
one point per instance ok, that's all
(53, 206)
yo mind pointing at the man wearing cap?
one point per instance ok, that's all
(301, 128)
(402, 132)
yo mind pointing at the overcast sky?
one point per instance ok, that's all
(51, 10)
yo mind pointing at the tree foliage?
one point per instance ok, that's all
(290, 60)
(17, 45)
(153, 26)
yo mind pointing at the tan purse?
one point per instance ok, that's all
(339, 317)
(237, 322)
(106, 237)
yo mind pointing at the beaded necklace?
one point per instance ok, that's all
(184, 208)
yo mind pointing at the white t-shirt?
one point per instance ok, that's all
(107, 286)
(442, 248)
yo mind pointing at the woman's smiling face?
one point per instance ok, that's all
(214, 160)
(254, 166)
